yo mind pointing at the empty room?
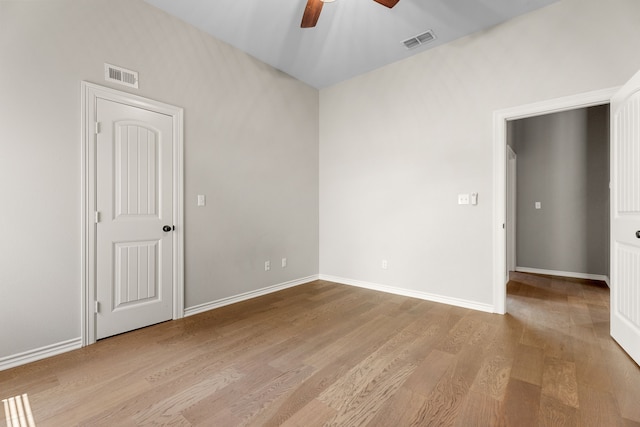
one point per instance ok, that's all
(297, 213)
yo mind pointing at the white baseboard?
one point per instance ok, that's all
(39, 353)
(411, 293)
(564, 274)
(200, 308)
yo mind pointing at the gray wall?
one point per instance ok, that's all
(563, 162)
(398, 144)
(251, 146)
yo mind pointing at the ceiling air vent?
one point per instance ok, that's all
(420, 39)
(120, 75)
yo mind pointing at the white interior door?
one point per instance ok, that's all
(625, 217)
(134, 201)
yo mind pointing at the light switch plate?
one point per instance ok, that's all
(202, 201)
(538, 205)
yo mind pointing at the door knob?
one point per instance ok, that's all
(638, 234)
(167, 228)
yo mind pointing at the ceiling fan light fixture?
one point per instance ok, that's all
(314, 7)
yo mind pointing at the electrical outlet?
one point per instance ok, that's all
(267, 265)
(385, 264)
(284, 262)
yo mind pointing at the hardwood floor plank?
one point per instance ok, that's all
(399, 410)
(493, 377)
(358, 377)
(170, 408)
(521, 403)
(559, 381)
(302, 401)
(256, 401)
(442, 405)
(553, 413)
(481, 410)
(361, 407)
(429, 372)
(315, 413)
(219, 402)
(598, 408)
(625, 379)
(528, 364)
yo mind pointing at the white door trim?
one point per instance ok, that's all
(500, 119)
(90, 92)
(512, 179)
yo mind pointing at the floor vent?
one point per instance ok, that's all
(420, 39)
(120, 75)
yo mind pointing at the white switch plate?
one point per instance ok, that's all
(385, 264)
(463, 199)
(284, 263)
(267, 265)
(538, 205)
(202, 201)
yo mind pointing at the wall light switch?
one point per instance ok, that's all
(201, 200)
(463, 199)
(538, 205)
(474, 198)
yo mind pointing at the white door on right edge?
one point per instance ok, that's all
(625, 217)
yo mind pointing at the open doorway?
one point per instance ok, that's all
(558, 199)
(501, 119)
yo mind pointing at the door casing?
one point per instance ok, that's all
(500, 119)
(511, 211)
(90, 93)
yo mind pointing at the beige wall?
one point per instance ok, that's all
(251, 146)
(398, 145)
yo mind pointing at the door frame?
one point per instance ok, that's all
(500, 119)
(89, 94)
(511, 174)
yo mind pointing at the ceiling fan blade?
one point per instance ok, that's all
(388, 3)
(311, 13)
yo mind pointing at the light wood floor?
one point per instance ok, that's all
(328, 354)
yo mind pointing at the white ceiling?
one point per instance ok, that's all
(352, 36)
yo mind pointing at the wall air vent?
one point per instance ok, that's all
(120, 75)
(420, 39)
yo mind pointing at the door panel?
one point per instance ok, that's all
(136, 273)
(625, 218)
(134, 199)
(136, 169)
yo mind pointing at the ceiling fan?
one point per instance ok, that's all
(314, 7)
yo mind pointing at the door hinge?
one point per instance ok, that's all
(97, 128)
(97, 217)
(97, 308)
